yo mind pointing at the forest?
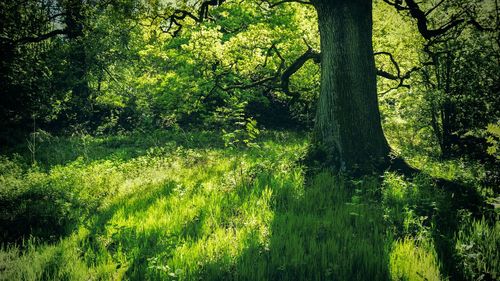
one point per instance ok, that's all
(250, 140)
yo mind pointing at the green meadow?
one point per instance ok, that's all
(181, 206)
(259, 140)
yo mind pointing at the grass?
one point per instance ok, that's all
(414, 261)
(183, 207)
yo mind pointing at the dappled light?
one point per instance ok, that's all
(249, 140)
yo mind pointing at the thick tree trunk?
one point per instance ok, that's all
(348, 129)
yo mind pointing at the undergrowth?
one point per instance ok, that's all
(181, 207)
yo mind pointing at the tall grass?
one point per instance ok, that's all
(181, 208)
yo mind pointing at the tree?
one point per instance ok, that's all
(24, 94)
(348, 134)
(79, 110)
(348, 130)
(56, 53)
(462, 82)
(34, 36)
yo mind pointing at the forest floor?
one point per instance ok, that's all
(182, 206)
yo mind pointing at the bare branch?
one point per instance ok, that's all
(391, 57)
(387, 75)
(310, 54)
(281, 78)
(480, 27)
(178, 15)
(434, 8)
(422, 22)
(248, 86)
(272, 5)
(400, 78)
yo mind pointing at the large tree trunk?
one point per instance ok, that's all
(348, 131)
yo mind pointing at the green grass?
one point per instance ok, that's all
(412, 261)
(183, 207)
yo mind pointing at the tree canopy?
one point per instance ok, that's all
(109, 66)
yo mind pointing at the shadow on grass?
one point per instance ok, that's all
(334, 231)
(328, 230)
(137, 242)
(442, 203)
(453, 199)
(53, 151)
(107, 238)
(331, 229)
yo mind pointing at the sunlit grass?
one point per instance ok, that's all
(178, 211)
(412, 261)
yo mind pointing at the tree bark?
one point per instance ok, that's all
(348, 132)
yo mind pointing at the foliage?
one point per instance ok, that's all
(477, 247)
(137, 76)
(427, 219)
(237, 129)
(47, 205)
(115, 136)
(493, 140)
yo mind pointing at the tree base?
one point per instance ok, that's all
(319, 159)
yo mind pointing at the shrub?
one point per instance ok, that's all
(30, 203)
(493, 140)
(49, 204)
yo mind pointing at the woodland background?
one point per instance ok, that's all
(140, 143)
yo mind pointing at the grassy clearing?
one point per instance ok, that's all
(169, 207)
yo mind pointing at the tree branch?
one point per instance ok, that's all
(38, 38)
(296, 66)
(434, 8)
(422, 22)
(281, 78)
(391, 57)
(272, 5)
(248, 86)
(179, 15)
(400, 78)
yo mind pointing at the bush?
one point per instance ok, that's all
(49, 204)
(30, 204)
(493, 139)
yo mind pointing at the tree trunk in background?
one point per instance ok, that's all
(348, 132)
(80, 109)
